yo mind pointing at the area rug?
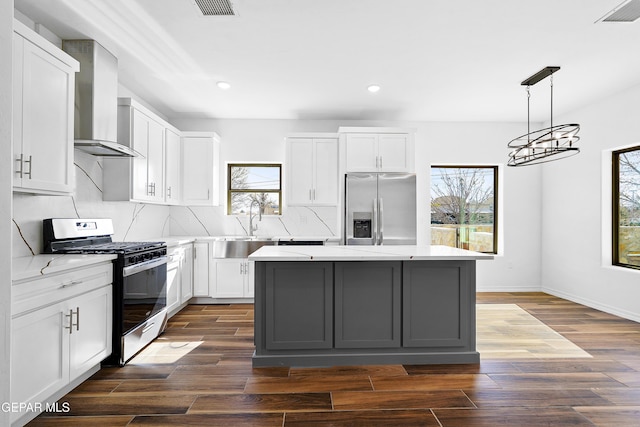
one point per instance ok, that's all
(506, 331)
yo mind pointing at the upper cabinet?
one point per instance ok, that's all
(312, 165)
(43, 99)
(200, 171)
(140, 179)
(172, 193)
(378, 149)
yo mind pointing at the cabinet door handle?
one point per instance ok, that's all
(241, 268)
(314, 194)
(70, 316)
(169, 192)
(380, 162)
(377, 162)
(30, 167)
(20, 160)
(71, 324)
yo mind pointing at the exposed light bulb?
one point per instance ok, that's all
(224, 85)
(373, 88)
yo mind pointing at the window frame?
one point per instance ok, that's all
(253, 190)
(615, 207)
(496, 170)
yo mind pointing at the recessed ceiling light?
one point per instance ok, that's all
(224, 85)
(373, 88)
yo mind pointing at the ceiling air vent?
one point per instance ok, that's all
(627, 11)
(215, 7)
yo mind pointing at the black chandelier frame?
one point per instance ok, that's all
(543, 145)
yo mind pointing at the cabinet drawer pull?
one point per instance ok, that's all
(148, 327)
(71, 283)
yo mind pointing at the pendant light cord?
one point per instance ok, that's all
(528, 114)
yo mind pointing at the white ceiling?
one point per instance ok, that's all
(308, 59)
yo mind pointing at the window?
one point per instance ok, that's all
(249, 183)
(464, 207)
(626, 207)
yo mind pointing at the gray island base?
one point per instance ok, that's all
(347, 305)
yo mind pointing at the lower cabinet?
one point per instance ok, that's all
(299, 305)
(90, 334)
(179, 277)
(367, 304)
(186, 274)
(437, 304)
(61, 329)
(201, 269)
(232, 278)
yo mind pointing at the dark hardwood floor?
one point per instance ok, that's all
(199, 374)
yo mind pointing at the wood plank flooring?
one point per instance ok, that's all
(198, 373)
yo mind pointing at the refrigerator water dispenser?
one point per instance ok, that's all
(362, 225)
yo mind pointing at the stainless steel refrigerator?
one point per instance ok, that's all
(380, 208)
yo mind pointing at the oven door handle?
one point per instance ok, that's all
(147, 265)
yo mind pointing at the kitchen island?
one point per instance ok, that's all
(357, 305)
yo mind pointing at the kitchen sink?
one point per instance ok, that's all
(238, 247)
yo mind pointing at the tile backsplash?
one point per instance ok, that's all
(140, 221)
(132, 221)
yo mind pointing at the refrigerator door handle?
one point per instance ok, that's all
(381, 220)
(375, 222)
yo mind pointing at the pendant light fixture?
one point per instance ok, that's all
(544, 145)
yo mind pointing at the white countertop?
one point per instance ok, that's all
(33, 267)
(174, 240)
(181, 240)
(364, 253)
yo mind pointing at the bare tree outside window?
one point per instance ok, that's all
(254, 182)
(626, 207)
(463, 207)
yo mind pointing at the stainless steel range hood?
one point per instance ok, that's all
(96, 100)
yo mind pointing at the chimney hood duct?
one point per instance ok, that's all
(96, 100)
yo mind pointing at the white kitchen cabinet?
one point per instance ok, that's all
(378, 151)
(43, 99)
(173, 179)
(141, 178)
(186, 274)
(61, 331)
(232, 278)
(201, 269)
(200, 168)
(179, 277)
(90, 341)
(312, 164)
(173, 282)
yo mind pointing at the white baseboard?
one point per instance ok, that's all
(594, 304)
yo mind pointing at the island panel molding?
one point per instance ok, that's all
(335, 306)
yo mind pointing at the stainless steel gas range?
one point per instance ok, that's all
(139, 279)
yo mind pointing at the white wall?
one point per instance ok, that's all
(516, 268)
(576, 211)
(6, 168)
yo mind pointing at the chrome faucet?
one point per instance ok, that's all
(253, 228)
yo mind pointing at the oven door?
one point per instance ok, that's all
(144, 290)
